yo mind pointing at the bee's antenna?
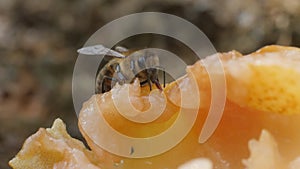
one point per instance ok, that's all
(164, 74)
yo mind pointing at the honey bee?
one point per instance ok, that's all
(123, 66)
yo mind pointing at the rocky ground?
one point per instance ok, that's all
(38, 43)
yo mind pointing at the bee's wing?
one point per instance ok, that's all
(99, 50)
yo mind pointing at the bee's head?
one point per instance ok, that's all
(152, 73)
(147, 59)
(148, 62)
(151, 59)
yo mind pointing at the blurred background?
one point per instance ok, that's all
(39, 39)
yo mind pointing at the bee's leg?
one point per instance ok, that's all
(164, 76)
(146, 82)
(157, 84)
(149, 81)
(143, 83)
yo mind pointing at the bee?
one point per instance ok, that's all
(123, 66)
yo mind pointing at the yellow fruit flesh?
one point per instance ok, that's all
(262, 93)
(271, 82)
(243, 118)
(53, 148)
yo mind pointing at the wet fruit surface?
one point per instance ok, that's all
(247, 115)
(240, 122)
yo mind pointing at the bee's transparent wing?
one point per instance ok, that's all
(99, 50)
